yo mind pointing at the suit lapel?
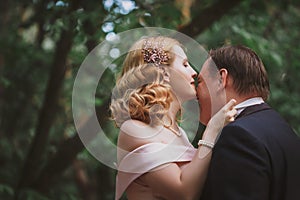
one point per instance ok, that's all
(252, 109)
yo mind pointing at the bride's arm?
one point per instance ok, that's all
(173, 182)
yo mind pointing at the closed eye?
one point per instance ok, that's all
(199, 80)
(185, 63)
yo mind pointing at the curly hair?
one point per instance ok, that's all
(141, 94)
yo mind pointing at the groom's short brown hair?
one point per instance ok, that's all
(245, 67)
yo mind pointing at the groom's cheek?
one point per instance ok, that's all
(205, 106)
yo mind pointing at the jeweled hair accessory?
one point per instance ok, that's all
(154, 53)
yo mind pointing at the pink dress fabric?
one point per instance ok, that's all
(146, 158)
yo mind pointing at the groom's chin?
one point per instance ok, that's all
(203, 120)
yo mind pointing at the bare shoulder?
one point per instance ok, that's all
(134, 133)
(132, 126)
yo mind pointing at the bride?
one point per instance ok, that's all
(155, 158)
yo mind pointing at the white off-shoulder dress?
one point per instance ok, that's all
(146, 158)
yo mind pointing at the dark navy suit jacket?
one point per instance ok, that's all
(257, 157)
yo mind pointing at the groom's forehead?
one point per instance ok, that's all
(206, 67)
(212, 68)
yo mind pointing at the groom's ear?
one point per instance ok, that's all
(223, 81)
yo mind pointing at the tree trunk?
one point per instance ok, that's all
(69, 149)
(49, 108)
(4, 14)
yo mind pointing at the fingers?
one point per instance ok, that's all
(230, 110)
(225, 115)
(231, 114)
(230, 104)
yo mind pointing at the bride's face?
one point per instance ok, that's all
(182, 76)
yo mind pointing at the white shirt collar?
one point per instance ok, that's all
(249, 102)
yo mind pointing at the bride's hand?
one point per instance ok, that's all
(224, 116)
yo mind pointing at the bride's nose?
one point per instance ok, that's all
(195, 75)
(193, 72)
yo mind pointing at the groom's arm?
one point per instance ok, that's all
(239, 168)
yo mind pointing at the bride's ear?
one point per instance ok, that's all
(166, 75)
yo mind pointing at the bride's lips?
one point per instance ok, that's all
(193, 83)
(194, 86)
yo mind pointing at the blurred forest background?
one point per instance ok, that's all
(44, 42)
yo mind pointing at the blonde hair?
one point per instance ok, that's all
(141, 94)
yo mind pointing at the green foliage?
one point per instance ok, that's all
(32, 195)
(6, 191)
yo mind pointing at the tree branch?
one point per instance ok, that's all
(207, 17)
(83, 182)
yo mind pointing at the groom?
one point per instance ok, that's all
(257, 157)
